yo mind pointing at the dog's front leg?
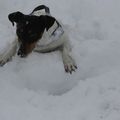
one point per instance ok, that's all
(64, 46)
(9, 52)
(68, 61)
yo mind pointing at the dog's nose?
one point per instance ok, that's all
(21, 54)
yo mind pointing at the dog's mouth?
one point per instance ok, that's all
(25, 49)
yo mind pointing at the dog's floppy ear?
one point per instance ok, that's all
(47, 20)
(15, 17)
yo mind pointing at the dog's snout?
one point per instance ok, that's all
(21, 54)
(25, 49)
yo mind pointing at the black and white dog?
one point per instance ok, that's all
(39, 32)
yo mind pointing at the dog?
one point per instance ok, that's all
(39, 32)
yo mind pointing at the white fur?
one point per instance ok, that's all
(9, 52)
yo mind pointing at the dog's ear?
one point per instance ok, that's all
(47, 20)
(16, 17)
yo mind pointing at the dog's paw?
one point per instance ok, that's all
(69, 68)
(69, 65)
(8, 53)
(4, 58)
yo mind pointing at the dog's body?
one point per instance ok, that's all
(39, 32)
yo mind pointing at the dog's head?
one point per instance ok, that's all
(29, 29)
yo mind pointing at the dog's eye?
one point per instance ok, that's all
(27, 22)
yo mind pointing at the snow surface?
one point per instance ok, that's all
(37, 88)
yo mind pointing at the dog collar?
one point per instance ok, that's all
(56, 31)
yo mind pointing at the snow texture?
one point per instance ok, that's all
(37, 88)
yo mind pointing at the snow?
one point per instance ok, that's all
(37, 88)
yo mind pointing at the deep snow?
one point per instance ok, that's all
(37, 88)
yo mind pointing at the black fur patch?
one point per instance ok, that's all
(33, 27)
(30, 28)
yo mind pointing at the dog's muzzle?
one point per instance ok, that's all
(25, 49)
(21, 53)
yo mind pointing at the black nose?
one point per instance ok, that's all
(21, 54)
